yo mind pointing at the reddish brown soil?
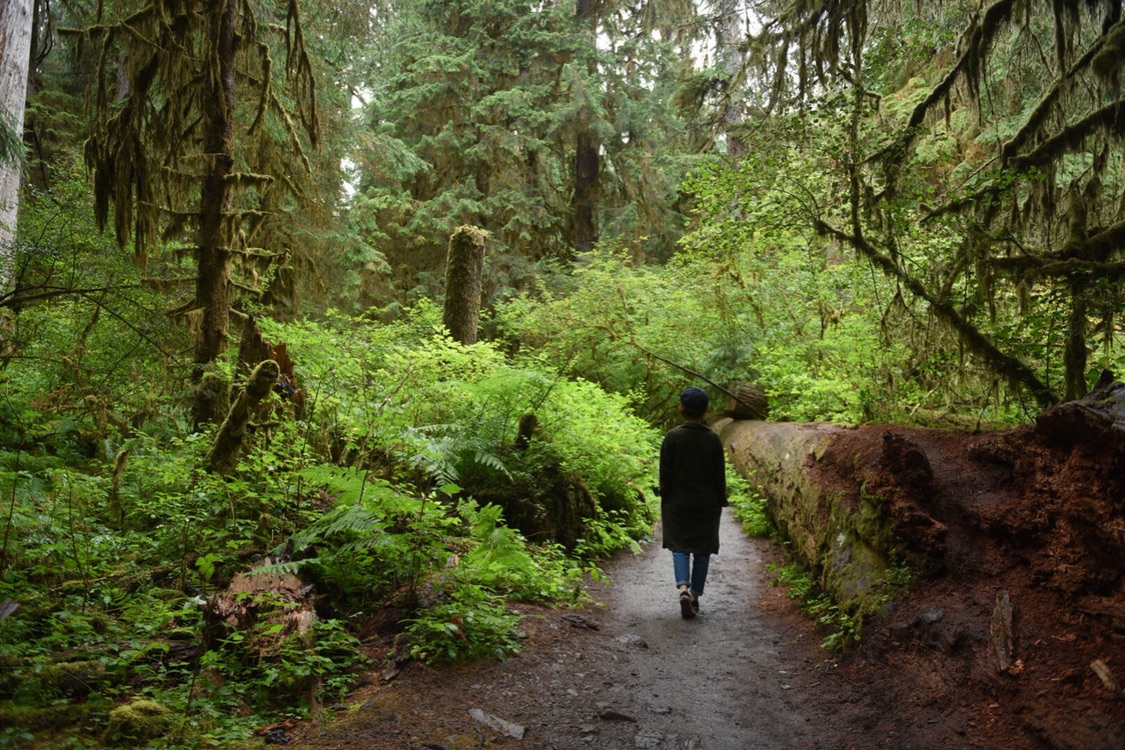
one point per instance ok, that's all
(1036, 513)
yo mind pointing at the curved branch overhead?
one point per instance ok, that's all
(996, 128)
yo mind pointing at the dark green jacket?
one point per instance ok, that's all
(693, 488)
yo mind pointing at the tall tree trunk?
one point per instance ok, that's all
(15, 56)
(213, 255)
(727, 39)
(587, 158)
(463, 273)
(586, 167)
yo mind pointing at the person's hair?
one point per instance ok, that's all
(692, 413)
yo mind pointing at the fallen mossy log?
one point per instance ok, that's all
(845, 501)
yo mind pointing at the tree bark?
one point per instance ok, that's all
(15, 59)
(586, 167)
(1074, 350)
(727, 39)
(213, 256)
(463, 271)
(587, 159)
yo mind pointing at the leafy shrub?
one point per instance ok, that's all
(470, 624)
(749, 506)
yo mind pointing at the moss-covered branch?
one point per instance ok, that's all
(228, 442)
(1108, 118)
(1016, 371)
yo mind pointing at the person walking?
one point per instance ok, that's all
(693, 492)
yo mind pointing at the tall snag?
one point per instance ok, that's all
(463, 272)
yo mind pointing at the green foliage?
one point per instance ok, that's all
(843, 627)
(735, 304)
(619, 321)
(90, 342)
(470, 624)
(994, 245)
(432, 412)
(115, 536)
(749, 506)
(500, 559)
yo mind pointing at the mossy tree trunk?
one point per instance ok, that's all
(463, 273)
(15, 50)
(197, 135)
(587, 150)
(213, 257)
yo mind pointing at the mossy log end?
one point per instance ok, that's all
(1099, 417)
(228, 441)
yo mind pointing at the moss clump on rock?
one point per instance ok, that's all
(137, 722)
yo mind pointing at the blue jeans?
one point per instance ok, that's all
(689, 572)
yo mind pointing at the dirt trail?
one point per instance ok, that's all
(629, 672)
(730, 679)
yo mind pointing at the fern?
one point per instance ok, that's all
(344, 520)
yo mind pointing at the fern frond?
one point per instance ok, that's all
(292, 567)
(347, 519)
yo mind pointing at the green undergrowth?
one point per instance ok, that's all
(842, 625)
(386, 494)
(749, 507)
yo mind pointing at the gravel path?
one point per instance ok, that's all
(722, 681)
(731, 679)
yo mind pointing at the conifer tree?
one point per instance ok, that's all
(197, 129)
(551, 126)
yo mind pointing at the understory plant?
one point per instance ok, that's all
(116, 538)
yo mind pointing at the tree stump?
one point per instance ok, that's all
(463, 270)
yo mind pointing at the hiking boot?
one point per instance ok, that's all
(686, 610)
